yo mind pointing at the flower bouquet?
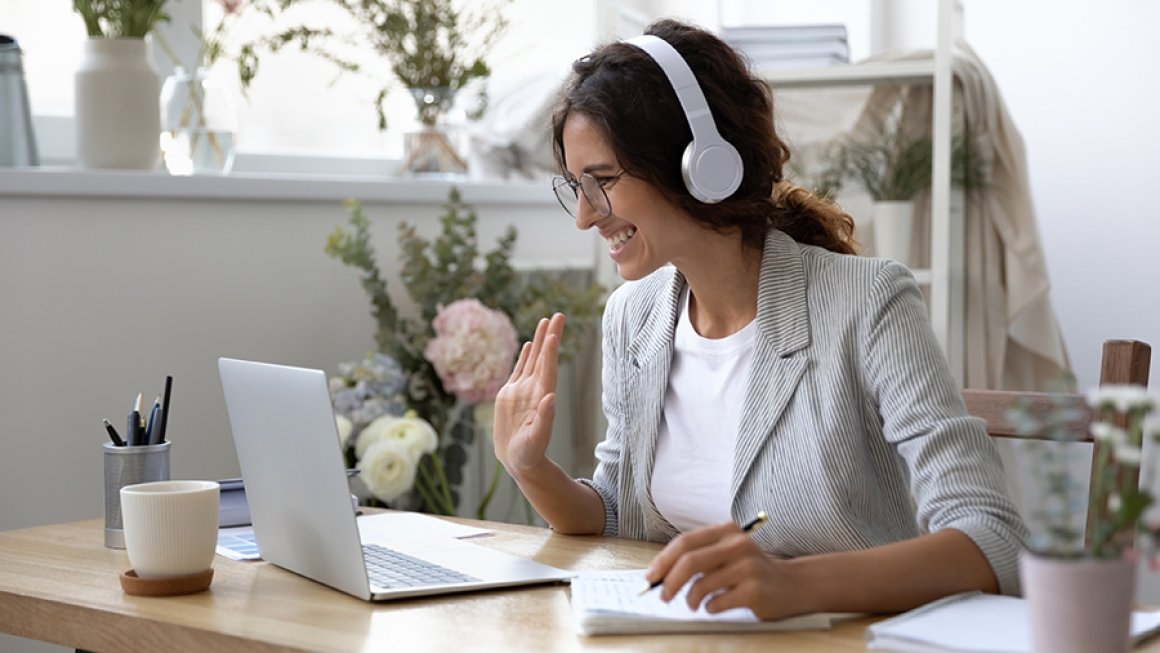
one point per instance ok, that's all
(451, 356)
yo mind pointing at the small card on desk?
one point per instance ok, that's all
(610, 603)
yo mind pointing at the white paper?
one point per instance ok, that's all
(971, 623)
(238, 543)
(611, 602)
(394, 526)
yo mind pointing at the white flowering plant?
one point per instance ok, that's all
(1120, 493)
(449, 358)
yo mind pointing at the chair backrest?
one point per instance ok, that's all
(1123, 362)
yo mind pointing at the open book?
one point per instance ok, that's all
(609, 603)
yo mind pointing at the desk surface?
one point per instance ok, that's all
(60, 584)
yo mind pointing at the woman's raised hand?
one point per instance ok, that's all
(526, 404)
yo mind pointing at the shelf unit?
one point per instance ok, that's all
(945, 277)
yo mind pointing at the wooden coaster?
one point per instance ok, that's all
(132, 584)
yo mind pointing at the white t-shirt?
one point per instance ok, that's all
(697, 436)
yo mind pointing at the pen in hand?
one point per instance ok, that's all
(753, 525)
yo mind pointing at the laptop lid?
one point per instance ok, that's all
(288, 450)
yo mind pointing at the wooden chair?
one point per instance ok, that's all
(1123, 362)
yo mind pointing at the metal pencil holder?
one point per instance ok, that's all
(129, 466)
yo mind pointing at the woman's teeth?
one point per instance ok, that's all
(619, 239)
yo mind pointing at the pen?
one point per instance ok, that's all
(133, 424)
(165, 409)
(113, 435)
(153, 430)
(753, 525)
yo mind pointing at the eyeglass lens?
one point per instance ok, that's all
(568, 194)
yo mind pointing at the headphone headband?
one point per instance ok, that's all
(711, 166)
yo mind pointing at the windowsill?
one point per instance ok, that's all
(59, 182)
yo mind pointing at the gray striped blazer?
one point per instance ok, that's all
(853, 432)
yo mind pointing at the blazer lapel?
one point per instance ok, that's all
(650, 357)
(779, 357)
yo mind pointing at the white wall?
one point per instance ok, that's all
(1082, 83)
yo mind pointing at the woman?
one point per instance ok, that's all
(766, 369)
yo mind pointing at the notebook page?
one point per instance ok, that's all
(610, 602)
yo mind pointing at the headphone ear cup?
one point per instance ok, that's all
(711, 172)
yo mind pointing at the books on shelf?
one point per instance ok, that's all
(790, 46)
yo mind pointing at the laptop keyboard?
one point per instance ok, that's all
(390, 569)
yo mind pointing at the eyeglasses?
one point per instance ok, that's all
(594, 189)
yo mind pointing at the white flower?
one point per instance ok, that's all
(1120, 397)
(1106, 432)
(1115, 502)
(415, 434)
(387, 468)
(1126, 454)
(344, 429)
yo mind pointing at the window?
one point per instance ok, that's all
(298, 104)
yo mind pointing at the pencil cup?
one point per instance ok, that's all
(129, 466)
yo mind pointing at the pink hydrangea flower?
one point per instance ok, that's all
(473, 349)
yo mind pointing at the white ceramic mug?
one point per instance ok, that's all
(170, 527)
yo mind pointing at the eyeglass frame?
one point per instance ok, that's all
(577, 186)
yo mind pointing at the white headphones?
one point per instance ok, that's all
(711, 166)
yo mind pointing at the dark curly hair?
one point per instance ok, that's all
(627, 96)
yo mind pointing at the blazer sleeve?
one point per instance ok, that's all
(955, 473)
(606, 478)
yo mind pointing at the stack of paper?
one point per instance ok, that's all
(790, 46)
(972, 623)
(609, 603)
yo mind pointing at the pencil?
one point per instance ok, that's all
(165, 408)
(753, 525)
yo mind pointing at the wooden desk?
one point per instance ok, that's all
(60, 584)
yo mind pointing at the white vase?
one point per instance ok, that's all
(1078, 605)
(893, 229)
(118, 116)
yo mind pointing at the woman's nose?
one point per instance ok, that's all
(586, 216)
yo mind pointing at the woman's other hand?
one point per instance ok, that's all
(526, 404)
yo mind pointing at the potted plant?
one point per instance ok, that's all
(1080, 591)
(434, 48)
(117, 110)
(893, 165)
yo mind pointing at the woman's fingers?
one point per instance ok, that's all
(684, 543)
(553, 331)
(521, 361)
(537, 345)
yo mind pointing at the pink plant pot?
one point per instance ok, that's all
(1078, 605)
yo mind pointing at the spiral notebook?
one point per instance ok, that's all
(610, 603)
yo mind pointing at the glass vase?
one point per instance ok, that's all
(198, 124)
(433, 150)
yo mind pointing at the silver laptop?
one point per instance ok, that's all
(300, 503)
